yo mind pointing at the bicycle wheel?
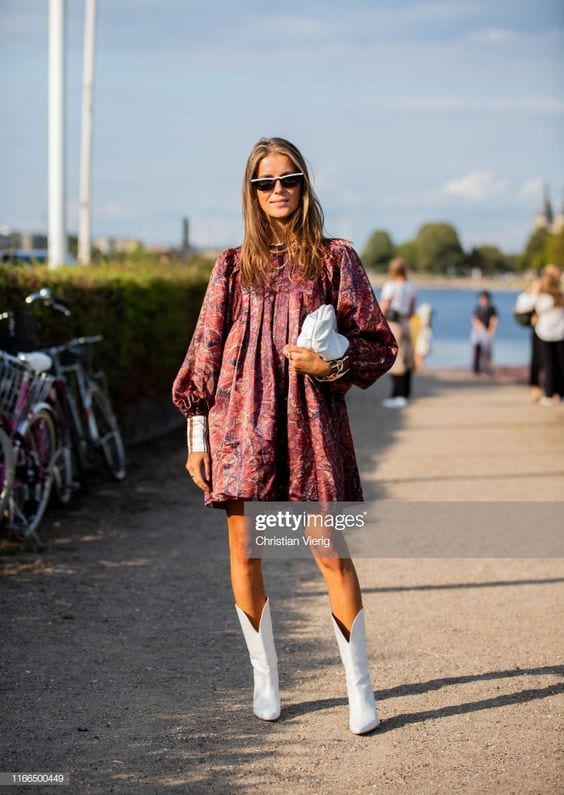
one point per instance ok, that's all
(64, 485)
(33, 475)
(105, 433)
(6, 469)
(64, 464)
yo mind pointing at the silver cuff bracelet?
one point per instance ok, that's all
(197, 434)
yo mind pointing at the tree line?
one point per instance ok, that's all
(437, 249)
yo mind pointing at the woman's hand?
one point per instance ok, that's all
(304, 360)
(198, 466)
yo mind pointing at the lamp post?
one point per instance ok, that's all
(56, 134)
(86, 134)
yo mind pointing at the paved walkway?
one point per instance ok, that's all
(122, 662)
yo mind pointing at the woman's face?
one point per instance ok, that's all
(280, 203)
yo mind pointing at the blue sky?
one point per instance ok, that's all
(406, 111)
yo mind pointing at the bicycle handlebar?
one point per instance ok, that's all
(49, 299)
(75, 343)
(16, 361)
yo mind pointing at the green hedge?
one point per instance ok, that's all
(145, 311)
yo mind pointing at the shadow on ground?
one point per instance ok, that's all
(122, 662)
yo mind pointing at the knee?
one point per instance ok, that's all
(239, 557)
(339, 568)
(242, 563)
(238, 541)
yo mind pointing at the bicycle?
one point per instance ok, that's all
(93, 420)
(36, 458)
(6, 469)
(20, 335)
(94, 426)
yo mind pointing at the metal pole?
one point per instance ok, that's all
(86, 136)
(56, 189)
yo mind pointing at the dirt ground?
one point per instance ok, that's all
(122, 662)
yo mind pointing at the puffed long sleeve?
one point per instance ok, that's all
(193, 390)
(373, 347)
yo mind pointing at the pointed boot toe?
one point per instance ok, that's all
(362, 704)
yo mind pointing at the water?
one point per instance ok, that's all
(451, 327)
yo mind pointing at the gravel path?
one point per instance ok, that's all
(123, 664)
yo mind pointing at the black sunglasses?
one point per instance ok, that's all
(265, 184)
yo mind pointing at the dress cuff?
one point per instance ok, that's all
(197, 434)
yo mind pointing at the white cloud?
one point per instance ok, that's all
(296, 27)
(475, 187)
(409, 200)
(478, 186)
(519, 38)
(531, 188)
(540, 105)
(443, 9)
(113, 211)
(493, 35)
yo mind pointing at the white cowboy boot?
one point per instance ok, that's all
(363, 711)
(266, 699)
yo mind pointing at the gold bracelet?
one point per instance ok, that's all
(338, 368)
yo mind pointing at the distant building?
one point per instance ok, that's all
(32, 240)
(545, 218)
(28, 241)
(185, 246)
(8, 237)
(111, 245)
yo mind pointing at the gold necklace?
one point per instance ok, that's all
(281, 247)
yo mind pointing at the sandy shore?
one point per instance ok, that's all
(430, 282)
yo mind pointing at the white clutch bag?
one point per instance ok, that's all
(319, 333)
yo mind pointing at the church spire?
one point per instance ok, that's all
(544, 219)
(546, 209)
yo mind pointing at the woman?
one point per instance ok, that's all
(267, 418)
(545, 298)
(398, 305)
(422, 321)
(529, 319)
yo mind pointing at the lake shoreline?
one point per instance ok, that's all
(503, 373)
(428, 281)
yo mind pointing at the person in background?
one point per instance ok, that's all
(535, 366)
(422, 332)
(545, 298)
(397, 302)
(535, 361)
(484, 327)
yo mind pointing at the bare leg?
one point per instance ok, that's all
(246, 573)
(343, 589)
(341, 579)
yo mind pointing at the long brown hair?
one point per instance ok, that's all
(397, 268)
(304, 233)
